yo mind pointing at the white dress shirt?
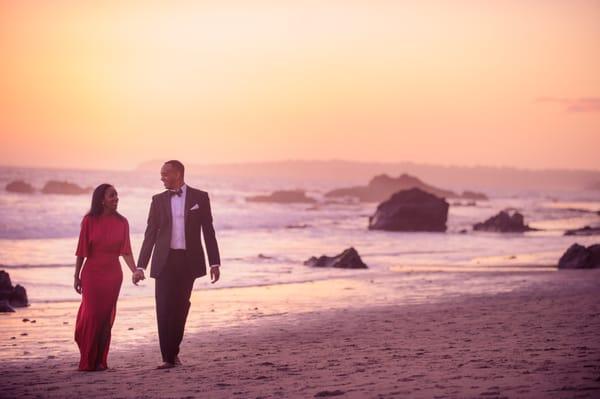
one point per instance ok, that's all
(178, 213)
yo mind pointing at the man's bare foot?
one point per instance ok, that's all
(177, 361)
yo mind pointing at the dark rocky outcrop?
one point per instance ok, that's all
(472, 195)
(283, 196)
(411, 210)
(5, 306)
(580, 257)
(381, 187)
(504, 222)
(19, 186)
(14, 296)
(64, 187)
(584, 231)
(349, 259)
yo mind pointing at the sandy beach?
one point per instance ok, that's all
(347, 338)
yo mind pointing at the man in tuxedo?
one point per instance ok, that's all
(174, 222)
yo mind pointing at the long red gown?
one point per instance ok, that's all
(101, 240)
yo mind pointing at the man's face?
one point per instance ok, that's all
(169, 176)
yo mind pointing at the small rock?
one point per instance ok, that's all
(584, 231)
(349, 259)
(504, 222)
(324, 394)
(19, 186)
(64, 187)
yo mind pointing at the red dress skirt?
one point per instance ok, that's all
(101, 241)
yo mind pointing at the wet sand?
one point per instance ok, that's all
(348, 338)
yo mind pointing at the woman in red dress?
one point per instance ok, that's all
(103, 238)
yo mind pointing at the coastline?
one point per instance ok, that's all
(539, 339)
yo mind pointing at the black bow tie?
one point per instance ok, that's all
(177, 192)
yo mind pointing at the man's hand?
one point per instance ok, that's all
(137, 276)
(214, 274)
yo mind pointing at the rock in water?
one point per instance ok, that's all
(5, 283)
(5, 306)
(14, 296)
(584, 231)
(349, 259)
(504, 222)
(283, 196)
(411, 210)
(19, 186)
(64, 187)
(580, 257)
(18, 298)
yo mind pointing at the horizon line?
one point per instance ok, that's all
(212, 164)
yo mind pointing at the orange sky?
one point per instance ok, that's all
(511, 83)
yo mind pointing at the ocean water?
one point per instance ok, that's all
(264, 244)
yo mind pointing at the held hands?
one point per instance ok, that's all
(137, 276)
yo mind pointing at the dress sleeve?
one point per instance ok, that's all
(126, 243)
(83, 246)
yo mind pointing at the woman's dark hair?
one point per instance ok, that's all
(97, 197)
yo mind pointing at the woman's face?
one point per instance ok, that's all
(111, 199)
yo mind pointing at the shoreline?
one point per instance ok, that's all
(537, 340)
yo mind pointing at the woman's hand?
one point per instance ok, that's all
(137, 276)
(77, 285)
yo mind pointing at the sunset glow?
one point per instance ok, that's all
(511, 83)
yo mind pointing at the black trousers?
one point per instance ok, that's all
(173, 289)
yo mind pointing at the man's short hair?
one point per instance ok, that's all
(177, 165)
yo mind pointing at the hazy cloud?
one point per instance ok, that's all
(581, 104)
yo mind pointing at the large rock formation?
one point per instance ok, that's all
(411, 210)
(12, 296)
(64, 187)
(349, 259)
(580, 257)
(504, 222)
(283, 196)
(381, 187)
(19, 186)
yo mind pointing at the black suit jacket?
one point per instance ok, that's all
(158, 233)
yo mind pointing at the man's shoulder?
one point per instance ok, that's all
(159, 195)
(197, 191)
